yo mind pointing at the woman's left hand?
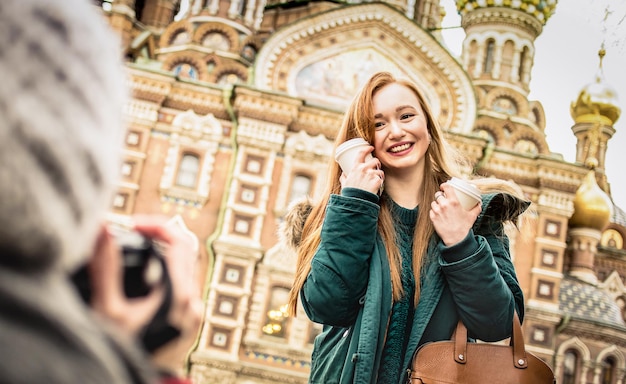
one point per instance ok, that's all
(452, 222)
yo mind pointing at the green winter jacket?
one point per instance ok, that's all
(349, 287)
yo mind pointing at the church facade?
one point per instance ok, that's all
(233, 110)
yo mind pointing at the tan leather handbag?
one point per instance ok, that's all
(459, 362)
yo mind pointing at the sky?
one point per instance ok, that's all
(566, 59)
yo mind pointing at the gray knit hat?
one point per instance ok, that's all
(61, 96)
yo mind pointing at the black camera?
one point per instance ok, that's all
(143, 269)
(142, 263)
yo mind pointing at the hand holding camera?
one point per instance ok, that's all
(147, 285)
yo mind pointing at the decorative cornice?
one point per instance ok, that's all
(506, 16)
(591, 330)
(315, 121)
(545, 173)
(201, 99)
(305, 144)
(149, 87)
(269, 107)
(259, 133)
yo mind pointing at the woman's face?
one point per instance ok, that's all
(401, 138)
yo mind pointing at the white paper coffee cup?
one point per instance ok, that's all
(347, 152)
(467, 193)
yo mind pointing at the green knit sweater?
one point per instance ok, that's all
(399, 327)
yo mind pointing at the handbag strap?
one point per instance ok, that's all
(517, 342)
(520, 359)
(460, 343)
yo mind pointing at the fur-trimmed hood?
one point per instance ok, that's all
(290, 230)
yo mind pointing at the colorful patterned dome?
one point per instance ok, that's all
(540, 9)
(584, 301)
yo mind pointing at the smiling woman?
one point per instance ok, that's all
(366, 260)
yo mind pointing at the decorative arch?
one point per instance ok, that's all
(615, 352)
(250, 48)
(489, 58)
(507, 72)
(234, 68)
(212, 63)
(471, 50)
(213, 58)
(495, 130)
(506, 105)
(533, 136)
(614, 286)
(305, 154)
(537, 115)
(229, 34)
(376, 37)
(190, 124)
(253, 40)
(168, 36)
(521, 104)
(485, 55)
(612, 238)
(303, 143)
(577, 345)
(195, 61)
(500, 39)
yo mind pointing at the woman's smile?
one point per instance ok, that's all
(400, 149)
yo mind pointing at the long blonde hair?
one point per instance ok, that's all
(441, 163)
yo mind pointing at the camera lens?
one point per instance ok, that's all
(143, 269)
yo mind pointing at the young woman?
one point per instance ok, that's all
(387, 272)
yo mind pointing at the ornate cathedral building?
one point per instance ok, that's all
(233, 111)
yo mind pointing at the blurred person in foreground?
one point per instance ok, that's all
(61, 134)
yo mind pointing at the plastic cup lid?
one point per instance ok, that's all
(357, 141)
(466, 187)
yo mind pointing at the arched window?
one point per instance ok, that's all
(186, 71)
(216, 40)
(522, 63)
(300, 187)
(570, 367)
(608, 371)
(243, 5)
(277, 315)
(489, 53)
(526, 146)
(228, 78)
(139, 8)
(188, 171)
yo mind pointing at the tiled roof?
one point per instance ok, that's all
(585, 301)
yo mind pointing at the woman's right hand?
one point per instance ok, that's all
(365, 174)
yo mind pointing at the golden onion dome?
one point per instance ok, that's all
(592, 206)
(540, 9)
(597, 101)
